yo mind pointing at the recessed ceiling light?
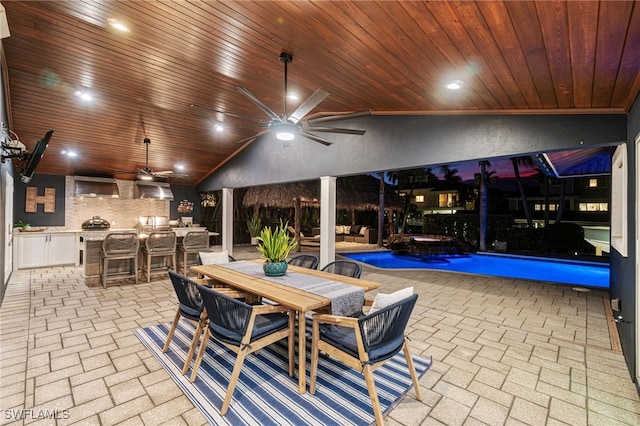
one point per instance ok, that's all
(85, 96)
(219, 127)
(292, 96)
(180, 166)
(455, 85)
(69, 153)
(118, 25)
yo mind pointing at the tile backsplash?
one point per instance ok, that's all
(121, 212)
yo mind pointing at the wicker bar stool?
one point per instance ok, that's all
(159, 244)
(119, 246)
(193, 243)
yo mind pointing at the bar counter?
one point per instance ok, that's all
(91, 244)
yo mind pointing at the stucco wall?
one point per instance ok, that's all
(397, 142)
(623, 269)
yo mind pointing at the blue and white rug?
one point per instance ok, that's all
(266, 394)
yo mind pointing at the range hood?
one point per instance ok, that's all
(95, 187)
(153, 190)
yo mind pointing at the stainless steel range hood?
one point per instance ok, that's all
(153, 190)
(95, 187)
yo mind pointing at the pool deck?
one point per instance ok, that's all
(505, 351)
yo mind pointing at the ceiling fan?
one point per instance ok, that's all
(287, 126)
(146, 173)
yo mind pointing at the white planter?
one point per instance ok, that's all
(254, 241)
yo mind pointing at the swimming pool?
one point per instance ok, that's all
(590, 274)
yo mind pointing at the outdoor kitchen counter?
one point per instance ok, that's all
(92, 244)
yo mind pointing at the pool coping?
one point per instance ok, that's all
(574, 286)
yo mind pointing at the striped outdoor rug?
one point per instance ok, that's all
(266, 395)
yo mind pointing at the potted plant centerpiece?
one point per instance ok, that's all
(275, 246)
(255, 226)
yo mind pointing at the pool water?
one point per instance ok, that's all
(582, 273)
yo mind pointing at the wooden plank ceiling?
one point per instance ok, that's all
(388, 57)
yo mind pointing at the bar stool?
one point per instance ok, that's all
(159, 244)
(193, 243)
(119, 246)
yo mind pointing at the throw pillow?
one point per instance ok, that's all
(363, 231)
(214, 258)
(383, 300)
(355, 229)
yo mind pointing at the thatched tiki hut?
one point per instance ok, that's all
(352, 193)
(288, 195)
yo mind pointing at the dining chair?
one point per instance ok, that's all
(190, 307)
(199, 260)
(244, 329)
(192, 243)
(305, 260)
(344, 267)
(365, 344)
(119, 246)
(159, 244)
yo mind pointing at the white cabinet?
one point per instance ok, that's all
(35, 250)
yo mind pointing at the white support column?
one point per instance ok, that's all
(327, 220)
(227, 220)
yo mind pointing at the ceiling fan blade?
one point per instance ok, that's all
(256, 136)
(242, 117)
(334, 130)
(337, 117)
(165, 172)
(316, 138)
(311, 102)
(272, 115)
(170, 173)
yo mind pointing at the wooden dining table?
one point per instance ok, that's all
(293, 298)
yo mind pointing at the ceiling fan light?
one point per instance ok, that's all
(285, 131)
(285, 136)
(146, 177)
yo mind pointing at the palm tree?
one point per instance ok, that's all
(450, 175)
(404, 178)
(483, 208)
(517, 162)
(563, 190)
(381, 211)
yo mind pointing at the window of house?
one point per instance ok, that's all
(447, 199)
(619, 212)
(593, 183)
(593, 207)
(541, 207)
(419, 198)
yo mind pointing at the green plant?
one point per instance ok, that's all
(255, 226)
(276, 245)
(21, 224)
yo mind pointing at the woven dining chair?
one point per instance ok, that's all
(190, 307)
(344, 267)
(305, 260)
(365, 344)
(244, 329)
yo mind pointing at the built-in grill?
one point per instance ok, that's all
(95, 222)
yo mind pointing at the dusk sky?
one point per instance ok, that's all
(502, 166)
